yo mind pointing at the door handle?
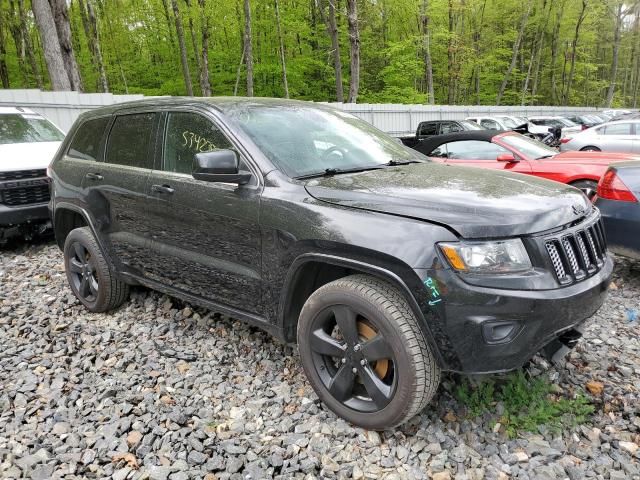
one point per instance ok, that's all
(162, 189)
(94, 176)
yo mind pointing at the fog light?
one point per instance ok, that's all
(499, 332)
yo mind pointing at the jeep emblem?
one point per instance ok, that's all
(578, 209)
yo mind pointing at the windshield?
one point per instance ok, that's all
(305, 140)
(528, 146)
(567, 122)
(27, 128)
(508, 122)
(471, 125)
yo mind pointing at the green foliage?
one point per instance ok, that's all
(526, 403)
(471, 46)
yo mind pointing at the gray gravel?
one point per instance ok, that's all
(164, 390)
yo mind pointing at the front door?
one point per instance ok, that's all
(206, 235)
(617, 137)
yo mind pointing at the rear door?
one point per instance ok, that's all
(617, 137)
(206, 235)
(117, 190)
(478, 153)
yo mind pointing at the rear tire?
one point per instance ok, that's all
(588, 187)
(590, 148)
(88, 273)
(364, 353)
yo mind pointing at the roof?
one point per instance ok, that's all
(219, 103)
(429, 144)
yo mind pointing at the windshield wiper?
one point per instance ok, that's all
(329, 172)
(395, 163)
(546, 156)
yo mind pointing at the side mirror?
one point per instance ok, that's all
(219, 166)
(506, 157)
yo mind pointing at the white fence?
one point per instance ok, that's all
(63, 108)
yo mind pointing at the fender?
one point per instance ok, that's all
(371, 269)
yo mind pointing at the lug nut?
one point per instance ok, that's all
(363, 362)
(354, 370)
(344, 360)
(356, 348)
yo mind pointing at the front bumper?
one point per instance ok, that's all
(32, 213)
(461, 320)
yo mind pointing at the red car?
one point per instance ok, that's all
(517, 153)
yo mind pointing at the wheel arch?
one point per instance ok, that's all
(68, 216)
(320, 269)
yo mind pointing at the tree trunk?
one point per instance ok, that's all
(354, 42)
(282, 56)
(13, 22)
(426, 51)
(235, 88)
(554, 54)
(539, 50)
(4, 71)
(450, 59)
(194, 42)
(183, 48)
(205, 84)
(29, 45)
(61, 19)
(617, 34)
(50, 45)
(167, 16)
(93, 23)
(332, 30)
(248, 51)
(514, 57)
(567, 89)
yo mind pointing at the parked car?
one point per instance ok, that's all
(617, 112)
(618, 136)
(385, 267)
(617, 199)
(517, 153)
(495, 122)
(438, 127)
(28, 142)
(567, 127)
(585, 121)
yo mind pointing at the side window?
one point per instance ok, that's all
(450, 127)
(187, 134)
(86, 141)
(489, 124)
(130, 140)
(474, 150)
(616, 129)
(428, 128)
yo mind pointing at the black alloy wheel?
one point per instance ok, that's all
(83, 273)
(353, 359)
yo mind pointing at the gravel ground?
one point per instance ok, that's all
(160, 389)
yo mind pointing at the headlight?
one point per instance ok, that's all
(501, 256)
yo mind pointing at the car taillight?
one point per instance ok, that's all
(565, 140)
(611, 187)
(584, 127)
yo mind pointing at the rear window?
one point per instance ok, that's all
(86, 141)
(616, 129)
(130, 140)
(27, 128)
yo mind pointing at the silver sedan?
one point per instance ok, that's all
(619, 136)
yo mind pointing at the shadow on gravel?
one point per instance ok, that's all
(18, 245)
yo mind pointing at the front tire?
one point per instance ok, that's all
(590, 148)
(88, 273)
(364, 353)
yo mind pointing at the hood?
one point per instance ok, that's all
(26, 156)
(594, 158)
(476, 203)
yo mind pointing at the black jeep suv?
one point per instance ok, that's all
(301, 219)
